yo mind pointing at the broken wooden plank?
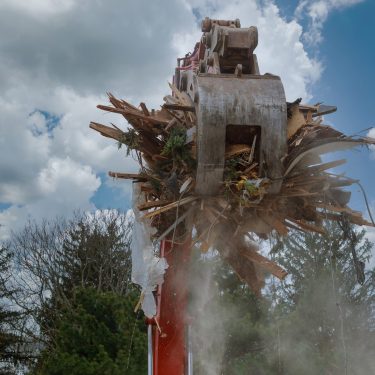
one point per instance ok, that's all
(144, 109)
(174, 115)
(127, 176)
(172, 123)
(148, 144)
(181, 202)
(131, 113)
(179, 107)
(325, 110)
(325, 166)
(330, 207)
(169, 99)
(153, 204)
(210, 216)
(295, 122)
(120, 103)
(353, 218)
(306, 226)
(306, 108)
(234, 150)
(179, 95)
(322, 147)
(265, 263)
(274, 222)
(107, 131)
(174, 225)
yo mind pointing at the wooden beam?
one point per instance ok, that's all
(179, 107)
(144, 109)
(148, 144)
(170, 206)
(306, 226)
(153, 204)
(296, 122)
(107, 131)
(265, 263)
(127, 176)
(132, 113)
(238, 149)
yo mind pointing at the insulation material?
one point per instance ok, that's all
(147, 269)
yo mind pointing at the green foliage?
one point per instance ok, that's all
(175, 147)
(324, 317)
(88, 323)
(81, 309)
(176, 142)
(246, 326)
(230, 322)
(94, 253)
(8, 318)
(231, 170)
(319, 321)
(130, 139)
(98, 334)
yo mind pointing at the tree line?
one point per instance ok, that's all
(67, 304)
(67, 301)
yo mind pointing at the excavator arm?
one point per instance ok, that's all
(227, 155)
(233, 104)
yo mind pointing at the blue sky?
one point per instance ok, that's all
(56, 65)
(348, 55)
(111, 195)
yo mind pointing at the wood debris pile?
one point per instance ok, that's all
(164, 144)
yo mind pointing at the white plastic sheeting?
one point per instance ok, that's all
(147, 269)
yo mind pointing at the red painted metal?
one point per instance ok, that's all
(191, 61)
(170, 351)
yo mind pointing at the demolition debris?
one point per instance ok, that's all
(255, 194)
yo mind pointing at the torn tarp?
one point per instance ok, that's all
(147, 269)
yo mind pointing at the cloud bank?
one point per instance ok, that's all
(57, 61)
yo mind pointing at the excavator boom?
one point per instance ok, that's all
(227, 159)
(233, 104)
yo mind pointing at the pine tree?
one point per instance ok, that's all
(98, 334)
(81, 296)
(325, 315)
(230, 323)
(94, 253)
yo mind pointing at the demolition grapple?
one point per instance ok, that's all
(233, 103)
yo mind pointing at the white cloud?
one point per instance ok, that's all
(62, 186)
(60, 174)
(280, 50)
(317, 11)
(24, 153)
(60, 58)
(38, 8)
(94, 46)
(53, 173)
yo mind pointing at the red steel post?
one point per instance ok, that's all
(170, 350)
